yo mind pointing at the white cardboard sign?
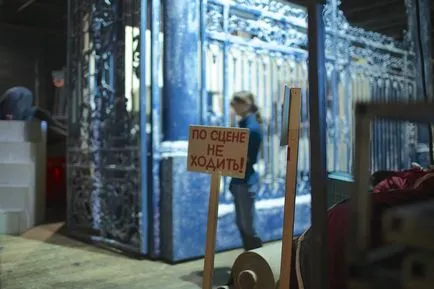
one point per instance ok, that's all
(218, 150)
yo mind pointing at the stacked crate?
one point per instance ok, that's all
(22, 175)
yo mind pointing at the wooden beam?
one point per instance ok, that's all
(394, 32)
(378, 23)
(30, 28)
(348, 4)
(25, 5)
(380, 14)
(362, 7)
(396, 25)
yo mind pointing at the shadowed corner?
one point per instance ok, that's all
(221, 276)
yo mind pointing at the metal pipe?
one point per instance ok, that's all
(318, 150)
(71, 116)
(143, 122)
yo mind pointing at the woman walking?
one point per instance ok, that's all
(244, 190)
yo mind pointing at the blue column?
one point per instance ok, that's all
(181, 96)
(183, 195)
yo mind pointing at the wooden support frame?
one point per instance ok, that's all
(360, 201)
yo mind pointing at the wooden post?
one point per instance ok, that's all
(208, 267)
(218, 151)
(292, 128)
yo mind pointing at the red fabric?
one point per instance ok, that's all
(338, 219)
(400, 180)
(56, 180)
(337, 230)
(394, 191)
(426, 182)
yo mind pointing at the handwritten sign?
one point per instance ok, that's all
(218, 149)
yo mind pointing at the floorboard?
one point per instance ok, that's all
(42, 258)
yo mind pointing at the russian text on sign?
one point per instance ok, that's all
(218, 149)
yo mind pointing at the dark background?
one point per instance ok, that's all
(33, 37)
(32, 44)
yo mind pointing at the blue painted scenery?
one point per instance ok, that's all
(133, 100)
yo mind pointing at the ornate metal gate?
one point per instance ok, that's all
(106, 169)
(259, 45)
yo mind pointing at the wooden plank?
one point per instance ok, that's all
(43, 258)
(293, 130)
(411, 225)
(208, 267)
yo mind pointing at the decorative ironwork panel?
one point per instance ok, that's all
(365, 66)
(259, 45)
(104, 159)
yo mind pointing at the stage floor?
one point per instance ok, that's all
(44, 259)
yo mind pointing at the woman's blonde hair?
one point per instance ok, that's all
(247, 97)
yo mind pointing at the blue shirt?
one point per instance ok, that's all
(17, 102)
(255, 141)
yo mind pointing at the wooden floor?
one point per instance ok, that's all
(44, 259)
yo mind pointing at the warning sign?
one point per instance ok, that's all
(218, 149)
